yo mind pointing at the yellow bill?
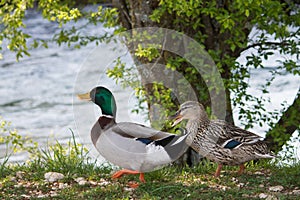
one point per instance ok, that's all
(85, 96)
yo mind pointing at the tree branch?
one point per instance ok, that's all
(123, 13)
(283, 43)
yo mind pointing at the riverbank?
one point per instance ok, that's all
(261, 181)
(67, 172)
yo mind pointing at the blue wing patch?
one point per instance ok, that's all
(162, 142)
(144, 140)
(232, 144)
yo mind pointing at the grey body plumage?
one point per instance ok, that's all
(130, 145)
(123, 145)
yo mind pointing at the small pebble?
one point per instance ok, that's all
(18, 185)
(103, 183)
(53, 176)
(263, 196)
(25, 196)
(20, 174)
(270, 197)
(41, 196)
(276, 188)
(128, 189)
(81, 181)
(13, 179)
(241, 185)
(62, 185)
(234, 179)
(53, 194)
(296, 192)
(258, 173)
(93, 183)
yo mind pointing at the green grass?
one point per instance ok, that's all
(167, 183)
(26, 181)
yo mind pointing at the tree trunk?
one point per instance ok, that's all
(285, 127)
(135, 14)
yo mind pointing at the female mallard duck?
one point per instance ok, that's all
(134, 147)
(219, 141)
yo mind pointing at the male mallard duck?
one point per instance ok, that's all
(219, 141)
(134, 147)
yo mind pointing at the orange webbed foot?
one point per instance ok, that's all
(120, 173)
(133, 184)
(218, 171)
(241, 170)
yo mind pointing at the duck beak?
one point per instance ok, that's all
(85, 96)
(178, 118)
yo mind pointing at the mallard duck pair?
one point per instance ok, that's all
(139, 149)
(219, 141)
(134, 147)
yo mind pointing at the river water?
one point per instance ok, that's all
(37, 93)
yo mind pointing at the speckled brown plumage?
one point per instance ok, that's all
(219, 141)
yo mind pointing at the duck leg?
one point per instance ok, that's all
(120, 173)
(218, 171)
(241, 170)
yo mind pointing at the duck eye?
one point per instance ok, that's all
(102, 99)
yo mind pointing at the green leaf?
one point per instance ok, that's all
(247, 13)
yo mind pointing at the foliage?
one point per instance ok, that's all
(14, 143)
(226, 29)
(68, 159)
(276, 28)
(13, 29)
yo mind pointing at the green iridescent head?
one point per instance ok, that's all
(103, 98)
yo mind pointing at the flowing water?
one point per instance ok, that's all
(37, 92)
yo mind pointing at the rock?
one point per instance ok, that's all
(296, 192)
(267, 197)
(240, 185)
(258, 173)
(276, 188)
(81, 181)
(245, 195)
(20, 174)
(270, 197)
(25, 196)
(233, 179)
(262, 196)
(62, 185)
(20, 184)
(93, 183)
(103, 182)
(53, 194)
(13, 179)
(41, 196)
(53, 176)
(128, 189)
(261, 185)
